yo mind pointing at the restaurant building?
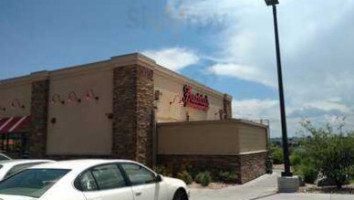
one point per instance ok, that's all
(128, 107)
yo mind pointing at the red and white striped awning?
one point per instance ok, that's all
(13, 124)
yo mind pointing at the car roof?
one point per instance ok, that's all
(78, 164)
(22, 161)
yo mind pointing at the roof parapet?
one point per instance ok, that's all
(134, 58)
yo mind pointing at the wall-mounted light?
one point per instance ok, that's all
(73, 97)
(2, 108)
(221, 113)
(157, 95)
(53, 120)
(109, 115)
(56, 98)
(91, 95)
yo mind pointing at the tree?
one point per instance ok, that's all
(331, 151)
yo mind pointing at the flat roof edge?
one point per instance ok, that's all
(115, 61)
(236, 121)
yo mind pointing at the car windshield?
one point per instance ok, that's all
(3, 157)
(31, 182)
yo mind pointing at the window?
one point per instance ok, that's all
(4, 157)
(87, 182)
(137, 174)
(31, 182)
(108, 177)
(19, 168)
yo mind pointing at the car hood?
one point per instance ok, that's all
(15, 197)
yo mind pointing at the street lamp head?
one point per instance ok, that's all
(271, 2)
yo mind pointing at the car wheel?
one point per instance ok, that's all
(180, 195)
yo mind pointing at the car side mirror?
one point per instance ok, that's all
(158, 178)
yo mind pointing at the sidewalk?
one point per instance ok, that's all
(260, 187)
(301, 196)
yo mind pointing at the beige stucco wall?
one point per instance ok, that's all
(171, 88)
(11, 92)
(81, 128)
(198, 138)
(253, 138)
(220, 137)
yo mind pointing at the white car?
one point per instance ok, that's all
(11, 167)
(91, 180)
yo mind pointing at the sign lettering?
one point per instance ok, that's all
(197, 100)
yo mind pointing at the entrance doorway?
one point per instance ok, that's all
(14, 144)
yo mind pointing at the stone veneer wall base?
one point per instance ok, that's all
(247, 167)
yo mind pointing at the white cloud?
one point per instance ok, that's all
(317, 39)
(173, 58)
(328, 106)
(260, 110)
(268, 109)
(255, 108)
(244, 72)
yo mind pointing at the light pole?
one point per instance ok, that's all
(287, 172)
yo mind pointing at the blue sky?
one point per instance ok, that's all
(225, 44)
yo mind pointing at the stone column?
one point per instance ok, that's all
(39, 116)
(227, 106)
(133, 104)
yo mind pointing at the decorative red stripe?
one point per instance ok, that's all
(2, 121)
(10, 124)
(20, 125)
(5, 122)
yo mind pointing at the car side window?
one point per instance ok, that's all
(87, 182)
(108, 177)
(19, 168)
(137, 174)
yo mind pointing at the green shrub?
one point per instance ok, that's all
(228, 177)
(332, 151)
(307, 170)
(193, 171)
(185, 176)
(277, 155)
(309, 173)
(203, 178)
(162, 170)
(295, 159)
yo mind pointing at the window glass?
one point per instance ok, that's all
(137, 174)
(19, 168)
(3, 157)
(31, 182)
(108, 177)
(87, 182)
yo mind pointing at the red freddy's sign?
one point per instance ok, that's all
(197, 101)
